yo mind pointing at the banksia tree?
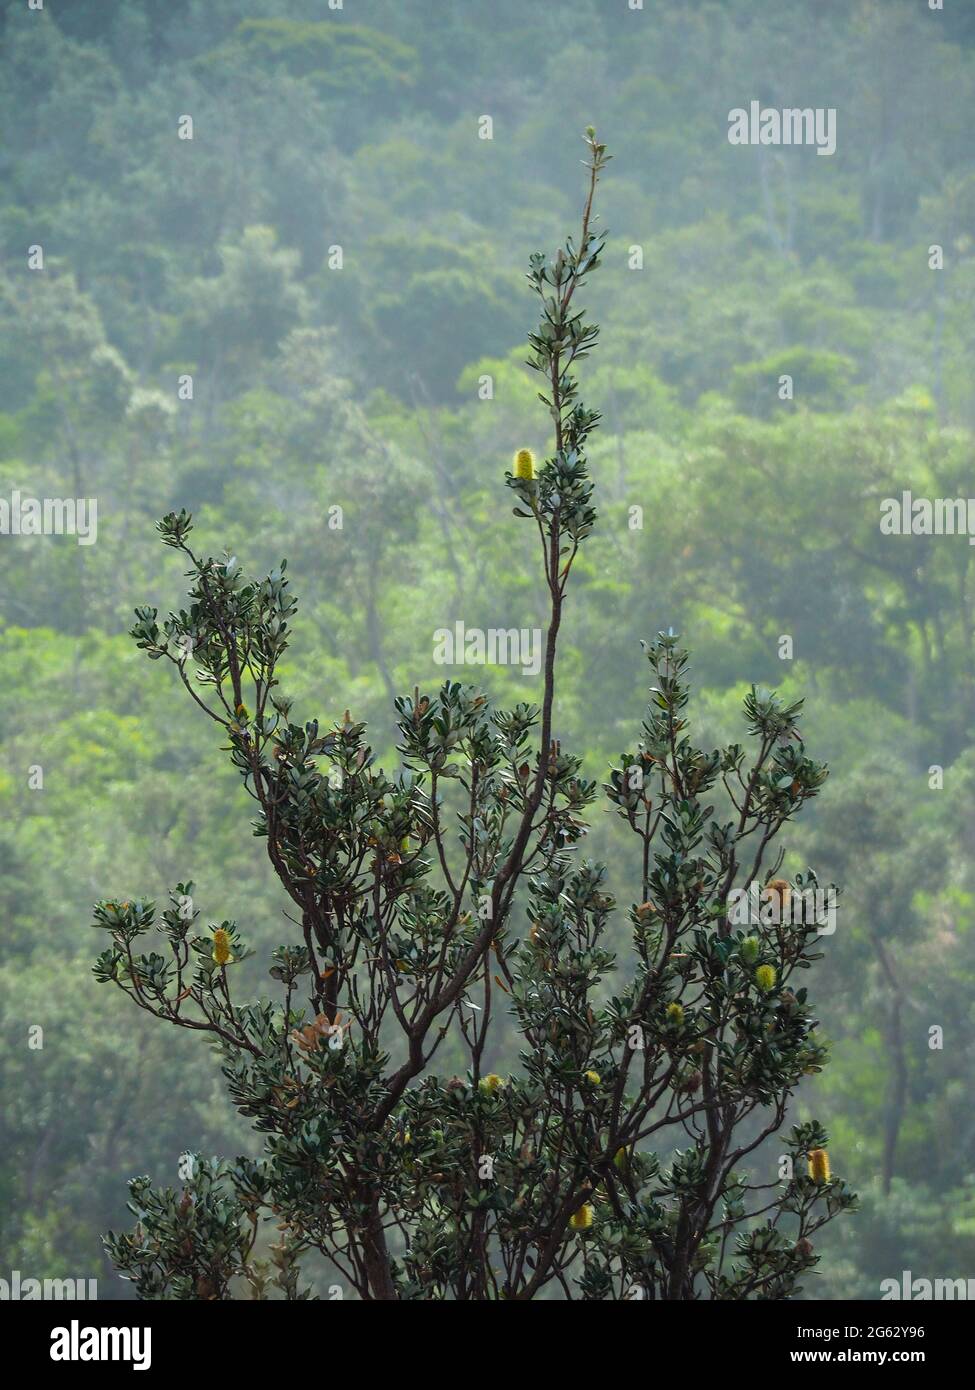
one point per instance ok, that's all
(610, 1162)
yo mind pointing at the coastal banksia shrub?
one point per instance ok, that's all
(609, 1160)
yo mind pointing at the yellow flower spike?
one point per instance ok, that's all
(592, 1077)
(819, 1165)
(765, 977)
(489, 1084)
(675, 1014)
(525, 465)
(222, 953)
(582, 1219)
(750, 949)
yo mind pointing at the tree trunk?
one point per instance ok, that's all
(375, 1258)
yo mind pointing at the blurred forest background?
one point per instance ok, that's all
(316, 386)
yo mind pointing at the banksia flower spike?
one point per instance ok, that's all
(582, 1218)
(765, 978)
(819, 1165)
(524, 463)
(749, 949)
(675, 1015)
(778, 891)
(222, 953)
(490, 1084)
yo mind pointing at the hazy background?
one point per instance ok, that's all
(316, 387)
